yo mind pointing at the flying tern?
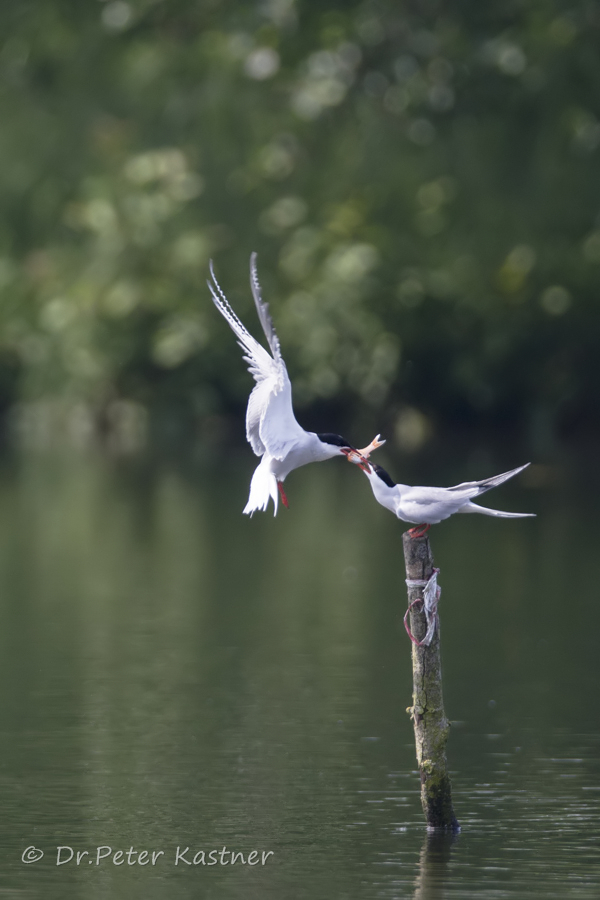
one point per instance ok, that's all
(271, 427)
(429, 505)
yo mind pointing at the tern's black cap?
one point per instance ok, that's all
(335, 439)
(379, 470)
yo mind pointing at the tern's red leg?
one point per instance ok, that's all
(419, 531)
(284, 499)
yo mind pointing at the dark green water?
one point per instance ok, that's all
(173, 674)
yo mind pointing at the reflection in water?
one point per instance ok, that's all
(172, 673)
(434, 866)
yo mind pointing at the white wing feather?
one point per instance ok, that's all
(474, 488)
(262, 309)
(270, 422)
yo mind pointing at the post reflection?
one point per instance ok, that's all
(434, 866)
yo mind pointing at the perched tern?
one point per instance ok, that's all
(271, 427)
(429, 505)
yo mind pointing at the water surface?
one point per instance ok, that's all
(174, 674)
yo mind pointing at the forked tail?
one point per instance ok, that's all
(471, 507)
(262, 487)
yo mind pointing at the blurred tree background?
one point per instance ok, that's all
(420, 181)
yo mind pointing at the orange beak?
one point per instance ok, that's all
(360, 458)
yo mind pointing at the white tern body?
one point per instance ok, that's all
(271, 427)
(430, 505)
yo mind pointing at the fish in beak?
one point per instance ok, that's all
(360, 458)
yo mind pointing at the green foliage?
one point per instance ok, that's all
(420, 181)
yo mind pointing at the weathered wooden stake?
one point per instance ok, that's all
(427, 712)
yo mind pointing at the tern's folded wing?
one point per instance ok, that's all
(474, 488)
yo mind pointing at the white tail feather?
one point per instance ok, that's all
(262, 487)
(471, 507)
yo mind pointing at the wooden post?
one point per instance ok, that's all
(427, 712)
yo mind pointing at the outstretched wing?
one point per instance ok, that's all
(270, 421)
(262, 309)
